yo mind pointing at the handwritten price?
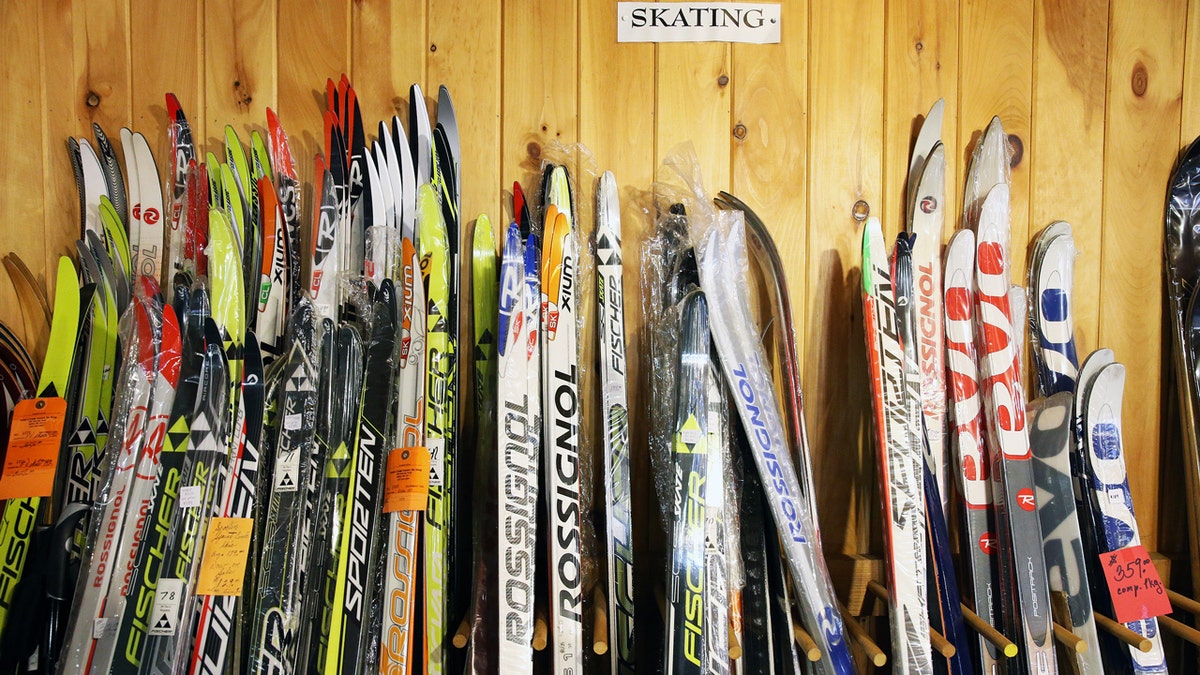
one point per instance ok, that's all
(1133, 581)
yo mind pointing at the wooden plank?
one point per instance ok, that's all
(464, 53)
(240, 69)
(694, 104)
(1145, 80)
(845, 140)
(995, 78)
(388, 47)
(315, 47)
(1190, 122)
(1067, 171)
(921, 48)
(540, 96)
(161, 66)
(21, 108)
(64, 113)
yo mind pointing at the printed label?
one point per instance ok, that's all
(749, 22)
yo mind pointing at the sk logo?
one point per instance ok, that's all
(987, 543)
(1026, 500)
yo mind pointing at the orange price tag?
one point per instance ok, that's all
(1137, 591)
(34, 440)
(223, 569)
(406, 486)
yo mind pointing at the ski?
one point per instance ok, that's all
(350, 635)
(148, 211)
(926, 217)
(744, 364)
(440, 370)
(899, 460)
(20, 519)
(560, 424)
(945, 608)
(1050, 277)
(689, 634)
(517, 479)
(275, 633)
(488, 442)
(1004, 401)
(610, 302)
(400, 575)
(974, 466)
(1050, 434)
(1110, 491)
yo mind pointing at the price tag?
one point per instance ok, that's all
(437, 462)
(1136, 589)
(164, 618)
(190, 496)
(224, 566)
(406, 485)
(34, 439)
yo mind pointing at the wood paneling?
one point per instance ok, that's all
(1098, 98)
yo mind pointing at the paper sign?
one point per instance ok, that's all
(224, 566)
(406, 485)
(749, 22)
(437, 462)
(34, 439)
(190, 496)
(1133, 581)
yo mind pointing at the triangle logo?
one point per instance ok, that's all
(164, 622)
(287, 482)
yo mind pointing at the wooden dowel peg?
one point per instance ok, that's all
(805, 642)
(1122, 633)
(463, 634)
(1181, 601)
(1069, 639)
(735, 647)
(988, 632)
(936, 639)
(540, 630)
(941, 645)
(859, 635)
(600, 622)
(1179, 630)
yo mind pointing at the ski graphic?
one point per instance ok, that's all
(148, 211)
(743, 362)
(1050, 433)
(1110, 491)
(974, 466)
(1004, 401)
(1051, 276)
(610, 303)
(900, 460)
(400, 575)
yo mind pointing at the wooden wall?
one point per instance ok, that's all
(1098, 95)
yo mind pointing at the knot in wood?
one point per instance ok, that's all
(739, 131)
(1140, 79)
(1018, 150)
(722, 80)
(93, 99)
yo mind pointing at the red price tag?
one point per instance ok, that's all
(1137, 591)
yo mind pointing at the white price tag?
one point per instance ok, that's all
(190, 496)
(164, 618)
(437, 461)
